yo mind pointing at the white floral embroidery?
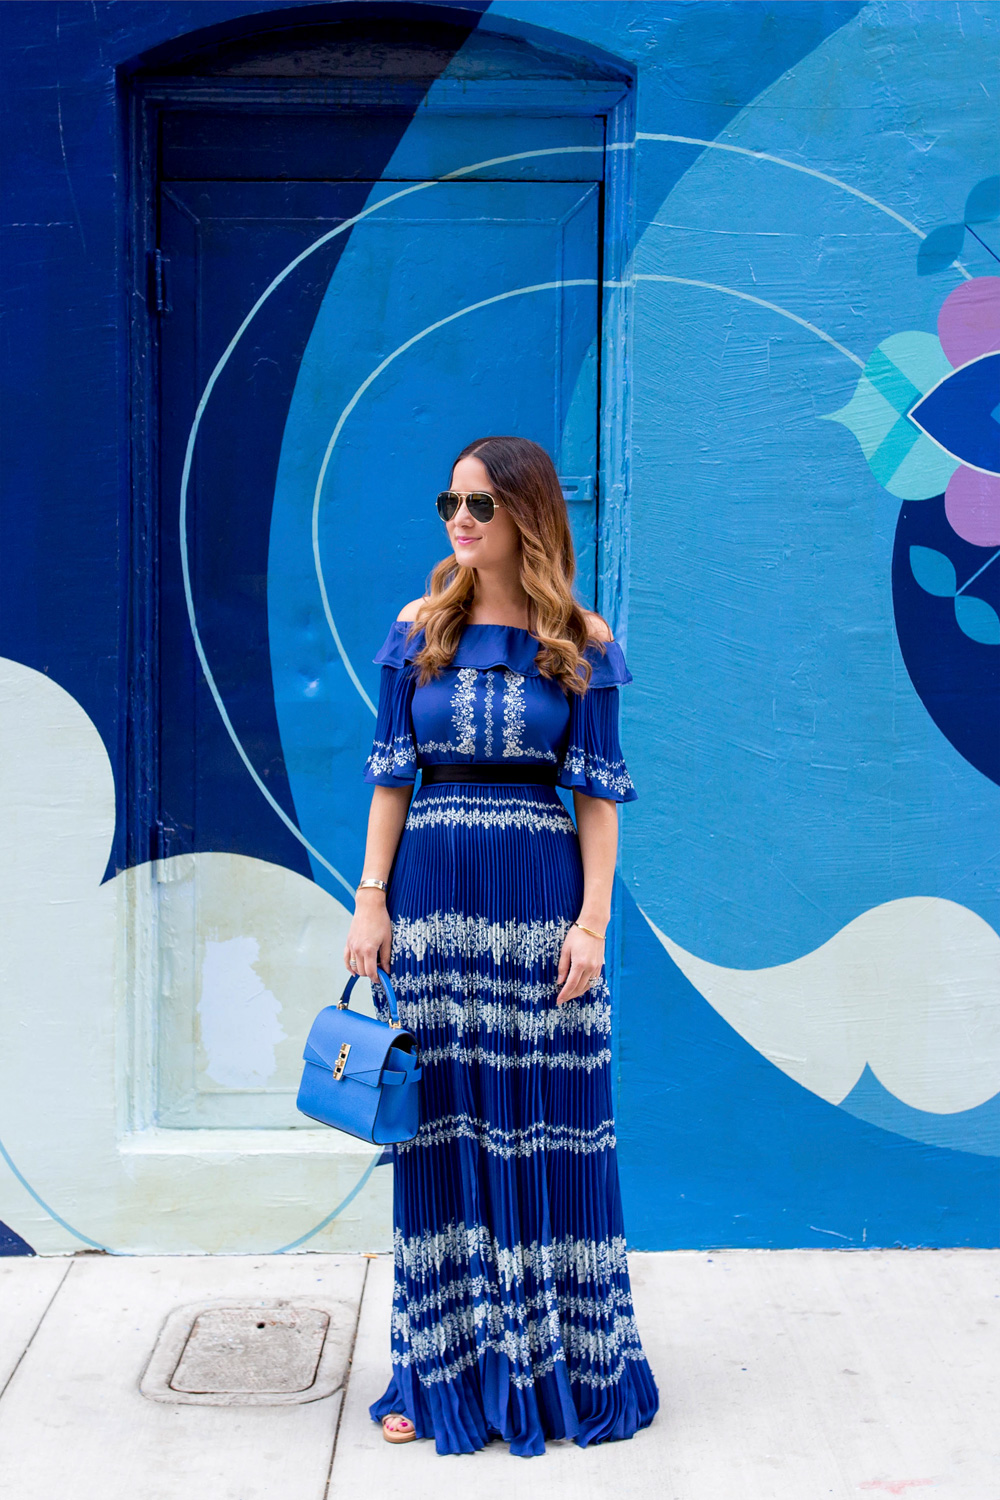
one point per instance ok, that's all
(463, 1002)
(523, 1380)
(491, 681)
(396, 757)
(568, 1061)
(537, 1324)
(450, 932)
(513, 713)
(421, 1255)
(546, 1336)
(608, 773)
(471, 1287)
(463, 702)
(460, 810)
(541, 1135)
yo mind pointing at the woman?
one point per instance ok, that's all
(512, 1312)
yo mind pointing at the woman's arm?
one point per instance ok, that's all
(582, 955)
(369, 940)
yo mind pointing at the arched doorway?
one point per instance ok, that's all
(357, 246)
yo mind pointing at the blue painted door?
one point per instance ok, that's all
(300, 451)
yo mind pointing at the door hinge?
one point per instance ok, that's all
(578, 489)
(158, 267)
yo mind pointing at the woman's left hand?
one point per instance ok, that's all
(580, 964)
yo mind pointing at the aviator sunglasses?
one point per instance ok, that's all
(481, 505)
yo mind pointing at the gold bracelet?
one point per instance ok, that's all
(598, 935)
(373, 885)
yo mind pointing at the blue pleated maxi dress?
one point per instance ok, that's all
(512, 1311)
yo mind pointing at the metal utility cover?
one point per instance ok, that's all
(264, 1353)
(239, 1350)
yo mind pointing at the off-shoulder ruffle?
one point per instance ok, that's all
(484, 646)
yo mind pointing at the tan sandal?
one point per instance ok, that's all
(398, 1435)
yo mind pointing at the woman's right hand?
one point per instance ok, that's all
(369, 939)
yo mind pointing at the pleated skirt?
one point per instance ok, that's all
(512, 1312)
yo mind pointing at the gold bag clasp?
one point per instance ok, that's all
(341, 1063)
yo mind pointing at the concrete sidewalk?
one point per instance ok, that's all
(787, 1375)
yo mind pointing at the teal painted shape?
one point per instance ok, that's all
(977, 619)
(934, 572)
(901, 370)
(869, 415)
(890, 382)
(900, 392)
(940, 249)
(924, 472)
(892, 450)
(982, 205)
(918, 357)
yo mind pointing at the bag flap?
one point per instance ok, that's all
(370, 1041)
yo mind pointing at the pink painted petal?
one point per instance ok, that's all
(972, 505)
(969, 321)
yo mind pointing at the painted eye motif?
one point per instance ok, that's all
(926, 416)
(962, 413)
(926, 412)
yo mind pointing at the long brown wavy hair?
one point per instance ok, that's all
(524, 481)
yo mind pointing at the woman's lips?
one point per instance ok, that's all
(463, 541)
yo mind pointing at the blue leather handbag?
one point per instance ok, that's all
(361, 1075)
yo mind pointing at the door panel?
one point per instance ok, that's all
(479, 301)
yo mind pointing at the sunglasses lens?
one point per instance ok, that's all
(481, 507)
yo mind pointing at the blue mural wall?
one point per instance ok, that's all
(786, 389)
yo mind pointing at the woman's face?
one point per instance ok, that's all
(493, 545)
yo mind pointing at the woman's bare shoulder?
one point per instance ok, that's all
(408, 613)
(598, 626)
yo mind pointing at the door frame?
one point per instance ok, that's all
(145, 100)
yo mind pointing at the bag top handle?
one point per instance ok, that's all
(345, 1000)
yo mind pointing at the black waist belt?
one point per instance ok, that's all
(479, 771)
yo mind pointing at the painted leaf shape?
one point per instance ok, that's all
(983, 203)
(934, 572)
(977, 619)
(903, 368)
(940, 248)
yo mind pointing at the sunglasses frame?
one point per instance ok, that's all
(470, 497)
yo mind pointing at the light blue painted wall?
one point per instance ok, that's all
(808, 965)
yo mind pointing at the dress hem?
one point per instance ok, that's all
(481, 1406)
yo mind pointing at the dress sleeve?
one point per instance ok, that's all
(593, 761)
(393, 757)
